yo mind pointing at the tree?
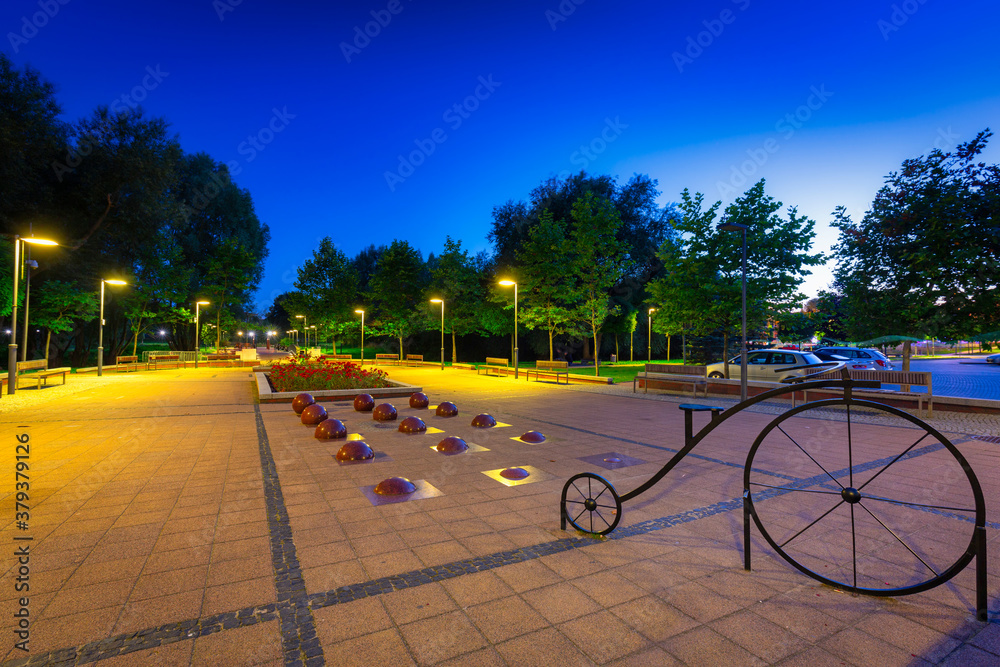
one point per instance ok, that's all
(547, 279)
(229, 277)
(397, 290)
(702, 287)
(58, 304)
(925, 258)
(327, 287)
(597, 262)
(455, 279)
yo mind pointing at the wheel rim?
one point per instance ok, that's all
(840, 529)
(591, 504)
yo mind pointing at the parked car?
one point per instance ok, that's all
(993, 359)
(859, 358)
(768, 365)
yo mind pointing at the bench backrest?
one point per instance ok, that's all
(126, 360)
(497, 361)
(32, 365)
(219, 357)
(919, 378)
(414, 357)
(165, 357)
(387, 356)
(337, 356)
(551, 364)
(678, 369)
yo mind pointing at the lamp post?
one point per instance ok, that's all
(649, 335)
(12, 347)
(253, 339)
(508, 283)
(305, 328)
(100, 327)
(441, 301)
(737, 227)
(197, 330)
(31, 264)
(362, 335)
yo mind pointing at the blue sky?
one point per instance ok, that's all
(822, 101)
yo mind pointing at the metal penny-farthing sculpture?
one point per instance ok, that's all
(836, 499)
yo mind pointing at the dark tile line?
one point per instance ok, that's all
(298, 628)
(292, 610)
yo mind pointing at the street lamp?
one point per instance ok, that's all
(649, 336)
(31, 264)
(737, 227)
(441, 301)
(12, 347)
(508, 283)
(305, 328)
(197, 330)
(100, 326)
(362, 335)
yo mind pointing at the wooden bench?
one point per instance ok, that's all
(387, 358)
(228, 359)
(549, 368)
(41, 372)
(339, 357)
(158, 360)
(130, 363)
(921, 379)
(696, 376)
(494, 364)
(414, 359)
(463, 366)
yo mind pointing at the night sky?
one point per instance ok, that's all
(822, 99)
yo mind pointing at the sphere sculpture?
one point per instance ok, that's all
(313, 414)
(452, 445)
(484, 421)
(533, 436)
(514, 473)
(364, 403)
(412, 425)
(419, 400)
(384, 412)
(446, 409)
(301, 402)
(395, 486)
(355, 450)
(331, 429)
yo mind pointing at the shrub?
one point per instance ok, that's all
(325, 374)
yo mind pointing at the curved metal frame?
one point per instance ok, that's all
(976, 548)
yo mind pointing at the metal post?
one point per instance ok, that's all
(743, 355)
(27, 297)
(442, 334)
(362, 338)
(12, 348)
(197, 333)
(100, 336)
(649, 338)
(515, 331)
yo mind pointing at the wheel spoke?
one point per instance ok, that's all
(854, 546)
(905, 545)
(591, 522)
(579, 515)
(576, 502)
(850, 470)
(582, 494)
(602, 518)
(788, 488)
(810, 457)
(919, 440)
(601, 493)
(904, 502)
(610, 507)
(812, 524)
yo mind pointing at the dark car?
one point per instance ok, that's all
(859, 358)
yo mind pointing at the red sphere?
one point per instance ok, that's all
(331, 429)
(355, 450)
(313, 414)
(395, 486)
(514, 473)
(384, 412)
(419, 400)
(446, 409)
(301, 402)
(364, 403)
(452, 445)
(412, 425)
(484, 421)
(533, 436)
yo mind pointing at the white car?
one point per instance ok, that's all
(993, 359)
(769, 365)
(859, 358)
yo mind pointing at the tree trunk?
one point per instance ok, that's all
(550, 346)
(631, 338)
(668, 348)
(454, 348)
(597, 360)
(48, 339)
(906, 363)
(400, 347)
(616, 345)
(725, 354)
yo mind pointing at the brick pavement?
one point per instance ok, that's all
(175, 522)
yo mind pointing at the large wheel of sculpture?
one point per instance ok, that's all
(879, 503)
(591, 504)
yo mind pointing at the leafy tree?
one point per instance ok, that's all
(548, 284)
(454, 278)
(229, 277)
(397, 290)
(327, 286)
(925, 258)
(597, 262)
(58, 304)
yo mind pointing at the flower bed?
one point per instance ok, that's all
(325, 374)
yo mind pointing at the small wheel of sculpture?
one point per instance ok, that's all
(875, 502)
(591, 504)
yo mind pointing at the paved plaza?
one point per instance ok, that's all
(176, 521)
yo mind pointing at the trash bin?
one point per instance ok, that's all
(614, 358)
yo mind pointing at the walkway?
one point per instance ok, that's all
(175, 522)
